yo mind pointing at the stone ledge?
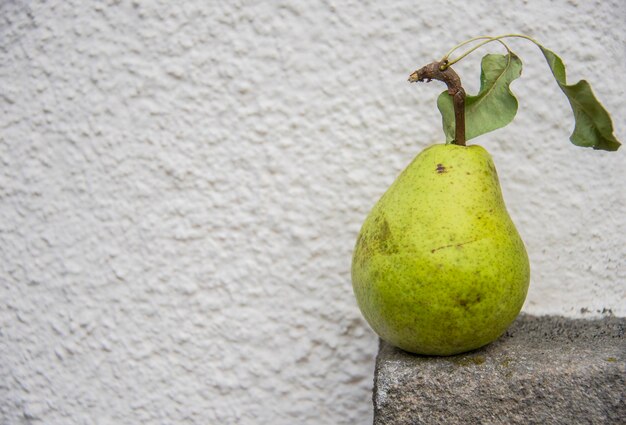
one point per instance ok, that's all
(543, 370)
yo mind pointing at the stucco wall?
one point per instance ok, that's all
(181, 185)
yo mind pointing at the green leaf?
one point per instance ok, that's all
(494, 106)
(593, 123)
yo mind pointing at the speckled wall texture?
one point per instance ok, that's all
(181, 185)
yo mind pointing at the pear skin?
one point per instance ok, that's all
(439, 267)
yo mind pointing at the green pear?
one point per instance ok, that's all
(439, 267)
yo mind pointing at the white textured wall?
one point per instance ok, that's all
(181, 185)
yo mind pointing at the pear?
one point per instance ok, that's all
(439, 267)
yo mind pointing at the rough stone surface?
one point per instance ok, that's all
(182, 184)
(543, 370)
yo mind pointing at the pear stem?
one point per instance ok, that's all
(441, 71)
